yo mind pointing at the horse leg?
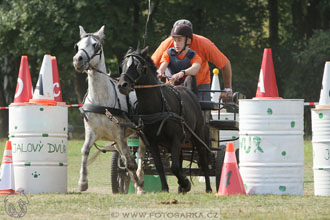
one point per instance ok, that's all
(141, 155)
(130, 164)
(90, 138)
(184, 183)
(203, 158)
(159, 165)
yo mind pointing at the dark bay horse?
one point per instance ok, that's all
(169, 115)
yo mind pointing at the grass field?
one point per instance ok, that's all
(99, 203)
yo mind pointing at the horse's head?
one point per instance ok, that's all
(133, 68)
(89, 49)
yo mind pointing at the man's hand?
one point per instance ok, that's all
(177, 76)
(226, 95)
(160, 75)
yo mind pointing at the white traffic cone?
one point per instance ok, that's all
(325, 90)
(215, 86)
(43, 92)
(7, 181)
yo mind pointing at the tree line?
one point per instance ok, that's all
(298, 31)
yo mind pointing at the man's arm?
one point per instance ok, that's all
(216, 57)
(157, 55)
(193, 70)
(161, 69)
(227, 75)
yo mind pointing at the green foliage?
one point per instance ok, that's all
(309, 60)
(238, 28)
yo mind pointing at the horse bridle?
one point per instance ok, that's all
(97, 51)
(141, 68)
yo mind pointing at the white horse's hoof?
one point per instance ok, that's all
(140, 192)
(83, 186)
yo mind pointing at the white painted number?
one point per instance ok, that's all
(20, 87)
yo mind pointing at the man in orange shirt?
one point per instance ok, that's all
(182, 62)
(208, 52)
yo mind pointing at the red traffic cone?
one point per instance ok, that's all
(7, 183)
(231, 182)
(267, 88)
(56, 81)
(24, 84)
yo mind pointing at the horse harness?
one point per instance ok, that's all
(167, 113)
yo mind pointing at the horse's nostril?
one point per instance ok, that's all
(80, 58)
(124, 84)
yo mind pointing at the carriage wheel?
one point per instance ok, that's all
(119, 176)
(220, 156)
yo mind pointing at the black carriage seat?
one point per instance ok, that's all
(225, 124)
(208, 105)
(219, 124)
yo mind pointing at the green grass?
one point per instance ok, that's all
(98, 202)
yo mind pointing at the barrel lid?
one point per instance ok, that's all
(322, 107)
(43, 101)
(266, 98)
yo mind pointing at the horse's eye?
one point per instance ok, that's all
(96, 46)
(75, 47)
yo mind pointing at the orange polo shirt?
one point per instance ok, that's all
(207, 51)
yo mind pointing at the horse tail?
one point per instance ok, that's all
(108, 147)
(93, 158)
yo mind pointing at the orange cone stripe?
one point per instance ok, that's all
(8, 147)
(7, 186)
(7, 191)
(7, 159)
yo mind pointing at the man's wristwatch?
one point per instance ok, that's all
(184, 72)
(228, 90)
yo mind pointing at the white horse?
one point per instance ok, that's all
(103, 93)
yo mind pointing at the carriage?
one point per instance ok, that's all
(214, 121)
(176, 118)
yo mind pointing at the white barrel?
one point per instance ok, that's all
(39, 145)
(227, 134)
(272, 146)
(321, 151)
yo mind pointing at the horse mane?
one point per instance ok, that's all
(150, 63)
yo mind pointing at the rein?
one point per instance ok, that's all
(148, 86)
(97, 70)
